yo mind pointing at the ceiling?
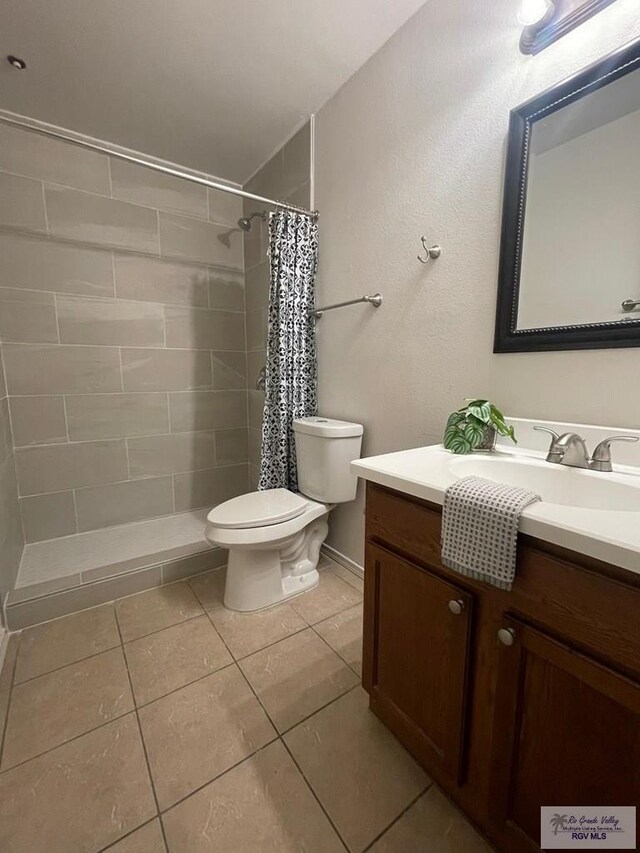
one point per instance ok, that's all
(216, 85)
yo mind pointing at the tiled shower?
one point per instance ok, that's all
(131, 349)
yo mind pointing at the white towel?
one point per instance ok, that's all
(480, 529)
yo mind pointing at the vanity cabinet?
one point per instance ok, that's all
(566, 731)
(418, 668)
(510, 700)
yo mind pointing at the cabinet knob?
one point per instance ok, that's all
(507, 636)
(456, 606)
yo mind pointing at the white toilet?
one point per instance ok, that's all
(274, 536)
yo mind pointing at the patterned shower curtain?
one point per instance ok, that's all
(291, 369)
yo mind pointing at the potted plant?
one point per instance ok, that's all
(475, 427)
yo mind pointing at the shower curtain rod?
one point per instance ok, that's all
(132, 157)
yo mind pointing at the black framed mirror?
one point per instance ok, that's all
(570, 251)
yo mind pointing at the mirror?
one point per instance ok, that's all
(570, 255)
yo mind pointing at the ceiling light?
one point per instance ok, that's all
(533, 11)
(546, 21)
(16, 62)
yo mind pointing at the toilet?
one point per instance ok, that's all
(274, 536)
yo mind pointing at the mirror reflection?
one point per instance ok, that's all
(581, 244)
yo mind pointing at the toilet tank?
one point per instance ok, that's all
(324, 449)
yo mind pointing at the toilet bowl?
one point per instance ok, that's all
(274, 536)
(273, 551)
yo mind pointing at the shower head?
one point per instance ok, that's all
(244, 223)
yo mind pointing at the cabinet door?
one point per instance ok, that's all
(417, 629)
(566, 732)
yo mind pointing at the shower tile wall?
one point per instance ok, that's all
(11, 539)
(123, 338)
(285, 177)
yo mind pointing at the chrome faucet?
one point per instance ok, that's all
(570, 449)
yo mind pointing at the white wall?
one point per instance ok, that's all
(414, 144)
(580, 256)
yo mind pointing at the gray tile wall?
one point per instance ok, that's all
(11, 536)
(285, 177)
(122, 322)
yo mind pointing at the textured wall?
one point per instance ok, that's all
(414, 144)
(122, 328)
(285, 176)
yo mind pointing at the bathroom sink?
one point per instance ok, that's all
(590, 512)
(557, 484)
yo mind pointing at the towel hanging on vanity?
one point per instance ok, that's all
(480, 529)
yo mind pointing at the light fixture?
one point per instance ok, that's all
(533, 11)
(16, 62)
(545, 21)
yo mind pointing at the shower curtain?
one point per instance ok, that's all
(291, 368)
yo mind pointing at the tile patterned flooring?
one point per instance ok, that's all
(165, 723)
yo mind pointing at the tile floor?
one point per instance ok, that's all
(163, 722)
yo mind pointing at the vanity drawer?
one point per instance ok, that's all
(561, 592)
(405, 524)
(587, 609)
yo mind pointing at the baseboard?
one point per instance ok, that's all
(345, 561)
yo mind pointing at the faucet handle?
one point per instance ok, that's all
(552, 454)
(551, 432)
(601, 459)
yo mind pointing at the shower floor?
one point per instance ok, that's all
(64, 575)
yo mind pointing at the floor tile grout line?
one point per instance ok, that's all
(321, 708)
(131, 710)
(141, 734)
(112, 844)
(142, 705)
(246, 758)
(166, 627)
(218, 776)
(234, 661)
(204, 612)
(65, 665)
(137, 705)
(269, 645)
(343, 659)
(397, 818)
(314, 795)
(281, 739)
(69, 740)
(324, 619)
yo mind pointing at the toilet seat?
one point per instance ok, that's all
(258, 509)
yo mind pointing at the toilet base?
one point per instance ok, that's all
(262, 576)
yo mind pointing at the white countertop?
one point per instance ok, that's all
(610, 535)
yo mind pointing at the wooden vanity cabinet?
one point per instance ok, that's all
(418, 672)
(509, 700)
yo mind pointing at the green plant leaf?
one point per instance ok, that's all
(454, 419)
(452, 426)
(480, 411)
(499, 423)
(454, 437)
(457, 443)
(495, 412)
(475, 431)
(465, 428)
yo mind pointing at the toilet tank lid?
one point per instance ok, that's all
(326, 427)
